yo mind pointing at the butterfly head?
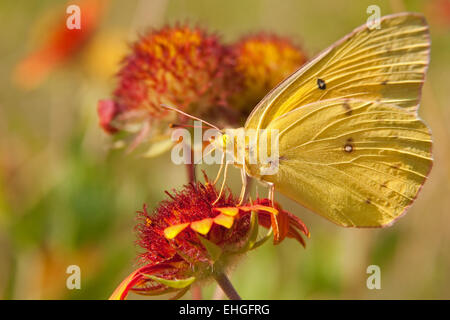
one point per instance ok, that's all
(229, 141)
(221, 141)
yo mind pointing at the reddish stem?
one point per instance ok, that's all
(196, 292)
(190, 166)
(227, 287)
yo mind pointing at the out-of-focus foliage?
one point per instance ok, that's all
(67, 199)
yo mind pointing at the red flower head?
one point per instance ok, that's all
(264, 60)
(189, 239)
(180, 66)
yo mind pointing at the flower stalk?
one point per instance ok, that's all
(226, 286)
(196, 290)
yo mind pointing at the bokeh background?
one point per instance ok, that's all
(66, 198)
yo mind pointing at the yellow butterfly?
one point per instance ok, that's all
(350, 144)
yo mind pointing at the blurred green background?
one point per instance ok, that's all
(66, 198)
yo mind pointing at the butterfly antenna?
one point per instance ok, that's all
(176, 125)
(244, 187)
(189, 116)
(272, 195)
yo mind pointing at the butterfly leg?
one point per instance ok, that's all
(272, 194)
(244, 187)
(222, 162)
(223, 183)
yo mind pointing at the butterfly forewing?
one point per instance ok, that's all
(386, 64)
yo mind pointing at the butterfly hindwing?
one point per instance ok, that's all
(357, 163)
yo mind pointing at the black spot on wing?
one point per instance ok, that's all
(321, 84)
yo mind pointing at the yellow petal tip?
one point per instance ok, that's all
(172, 231)
(224, 220)
(230, 211)
(202, 226)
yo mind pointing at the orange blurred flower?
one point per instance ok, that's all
(264, 60)
(439, 13)
(189, 239)
(60, 44)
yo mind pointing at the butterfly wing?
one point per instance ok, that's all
(386, 64)
(357, 163)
